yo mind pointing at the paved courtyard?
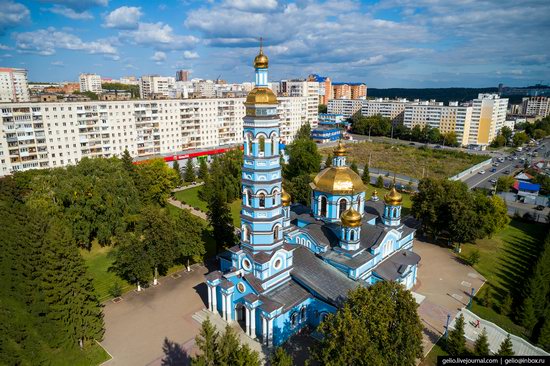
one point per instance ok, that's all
(446, 284)
(156, 324)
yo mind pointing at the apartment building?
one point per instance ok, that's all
(325, 87)
(450, 118)
(393, 109)
(13, 85)
(90, 82)
(488, 116)
(55, 134)
(182, 75)
(302, 88)
(535, 106)
(155, 86)
(345, 107)
(349, 90)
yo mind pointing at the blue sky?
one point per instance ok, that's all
(391, 43)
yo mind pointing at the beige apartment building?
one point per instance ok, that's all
(488, 117)
(393, 109)
(13, 85)
(535, 106)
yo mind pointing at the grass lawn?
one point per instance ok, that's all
(411, 161)
(431, 358)
(191, 197)
(92, 355)
(506, 260)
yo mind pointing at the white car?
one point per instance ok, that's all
(481, 172)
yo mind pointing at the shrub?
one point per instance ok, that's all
(116, 289)
(473, 257)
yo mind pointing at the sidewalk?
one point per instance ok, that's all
(181, 205)
(496, 335)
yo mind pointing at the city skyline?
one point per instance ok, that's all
(394, 43)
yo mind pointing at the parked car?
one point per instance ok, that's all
(481, 172)
(539, 208)
(437, 147)
(412, 143)
(507, 171)
(493, 170)
(493, 181)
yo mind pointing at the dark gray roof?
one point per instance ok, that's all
(269, 305)
(251, 298)
(212, 276)
(226, 284)
(351, 262)
(290, 294)
(372, 235)
(322, 234)
(301, 212)
(226, 254)
(394, 266)
(374, 207)
(263, 257)
(254, 282)
(320, 277)
(234, 249)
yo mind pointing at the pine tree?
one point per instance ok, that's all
(527, 315)
(247, 357)
(328, 161)
(228, 346)
(366, 175)
(354, 167)
(281, 358)
(131, 260)
(203, 170)
(219, 217)
(506, 347)
(177, 169)
(481, 346)
(544, 335)
(127, 161)
(506, 306)
(379, 182)
(456, 342)
(207, 342)
(487, 300)
(189, 175)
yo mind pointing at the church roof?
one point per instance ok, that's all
(290, 294)
(322, 234)
(395, 265)
(352, 262)
(320, 277)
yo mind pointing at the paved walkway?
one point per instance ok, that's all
(181, 205)
(496, 335)
(183, 188)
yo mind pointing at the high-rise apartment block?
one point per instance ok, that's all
(325, 87)
(535, 106)
(307, 89)
(90, 82)
(488, 116)
(13, 85)
(182, 75)
(345, 107)
(155, 86)
(54, 134)
(392, 109)
(349, 90)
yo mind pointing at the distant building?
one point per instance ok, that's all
(13, 85)
(182, 75)
(326, 134)
(393, 109)
(325, 88)
(488, 116)
(302, 88)
(331, 118)
(155, 86)
(526, 192)
(90, 82)
(349, 90)
(345, 107)
(116, 95)
(535, 106)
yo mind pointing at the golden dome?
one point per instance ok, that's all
(340, 150)
(261, 61)
(261, 95)
(338, 180)
(393, 197)
(285, 199)
(351, 218)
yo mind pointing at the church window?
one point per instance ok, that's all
(323, 210)
(262, 144)
(352, 235)
(343, 206)
(303, 313)
(359, 203)
(276, 233)
(294, 319)
(262, 200)
(248, 145)
(246, 264)
(246, 235)
(248, 198)
(273, 145)
(278, 263)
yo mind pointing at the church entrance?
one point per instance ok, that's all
(240, 312)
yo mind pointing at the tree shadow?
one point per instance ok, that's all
(202, 290)
(432, 336)
(174, 354)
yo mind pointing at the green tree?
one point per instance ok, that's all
(328, 161)
(449, 139)
(507, 133)
(281, 358)
(456, 342)
(365, 177)
(190, 245)
(539, 134)
(474, 257)
(434, 136)
(520, 138)
(506, 347)
(416, 133)
(527, 315)
(207, 342)
(498, 141)
(154, 181)
(379, 182)
(303, 158)
(481, 345)
(127, 161)
(219, 217)
(506, 306)
(544, 335)
(322, 108)
(304, 132)
(353, 166)
(504, 183)
(299, 189)
(131, 261)
(203, 170)
(378, 325)
(177, 169)
(189, 175)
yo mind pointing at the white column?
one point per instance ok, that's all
(264, 331)
(229, 308)
(253, 322)
(247, 320)
(270, 332)
(214, 300)
(209, 297)
(224, 307)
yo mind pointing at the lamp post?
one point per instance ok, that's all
(471, 298)
(447, 326)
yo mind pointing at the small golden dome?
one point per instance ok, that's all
(375, 193)
(285, 198)
(393, 197)
(351, 218)
(338, 180)
(340, 150)
(261, 95)
(261, 61)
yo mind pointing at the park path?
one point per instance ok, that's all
(181, 205)
(496, 335)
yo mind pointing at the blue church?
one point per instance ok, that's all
(295, 264)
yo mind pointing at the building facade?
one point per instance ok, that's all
(13, 85)
(325, 87)
(345, 107)
(392, 109)
(155, 86)
(295, 265)
(488, 116)
(182, 75)
(306, 89)
(349, 90)
(90, 82)
(535, 106)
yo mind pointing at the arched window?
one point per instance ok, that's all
(359, 204)
(273, 146)
(246, 233)
(248, 145)
(248, 198)
(262, 144)
(294, 319)
(274, 199)
(276, 233)
(303, 313)
(323, 207)
(262, 200)
(343, 206)
(352, 235)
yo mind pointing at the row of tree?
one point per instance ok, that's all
(536, 130)
(506, 137)
(382, 126)
(447, 208)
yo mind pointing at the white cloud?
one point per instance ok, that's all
(78, 5)
(159, 57)
(190, 55)
(251, 5)
(4, 47)
(70, 13)
(125, 17)
(46, 41)
(12, 14)
(159, 36)
(58, 63)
